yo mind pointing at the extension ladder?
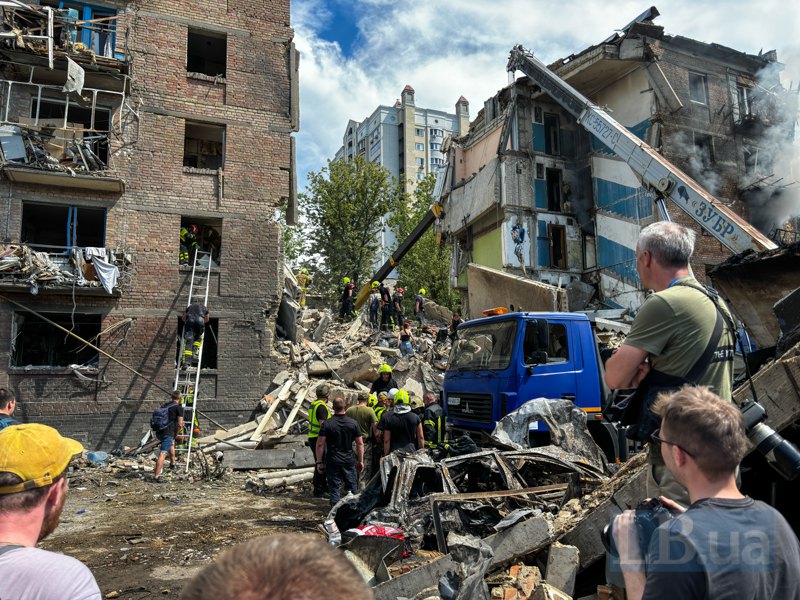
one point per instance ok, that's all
(187, 375)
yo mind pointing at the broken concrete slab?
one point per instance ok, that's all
(361, 367)
(324, 321)
(579, 294)
(489, 288)
(395, 352)
(521, 539)
(280, 378)
(274, 458)
(413, 387)
(548, 592)
(436, 312)
(562, 567)
(318, 368)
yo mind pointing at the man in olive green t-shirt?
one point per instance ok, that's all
(671, 331)
(367, 421)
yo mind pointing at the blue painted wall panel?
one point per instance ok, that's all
(540, 193)
(542, 245)
(538, 137)
(617, 259)
(639, 130)
(632, 203)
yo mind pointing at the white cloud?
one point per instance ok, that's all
(449, 48)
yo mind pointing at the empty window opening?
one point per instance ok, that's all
(558, 246)
(37, 343)
(698, 91)
(551, 134)
(555, 346)
(554, 190)
(206, 53)
(704, 150)
(204, 146)
(209, 347)
(200, 234)
(743, 97)
(72, 124)
(53, 228)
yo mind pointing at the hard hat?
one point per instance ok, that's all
(422, 291)
(401, 397)
(416, 402)
(376, 284)
(384, 368)
(193, 228)
(323, 390)
(400, 290)
(383, 396)
(346, 280)
(304, 271)
(373, 401)
(392, 393)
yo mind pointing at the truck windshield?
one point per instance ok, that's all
(487, 346)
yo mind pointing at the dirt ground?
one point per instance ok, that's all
(144, 540)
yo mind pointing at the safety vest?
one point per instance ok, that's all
(313, 423)
(434, 417)
(379, 411)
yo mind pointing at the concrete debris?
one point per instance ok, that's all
(562, 567)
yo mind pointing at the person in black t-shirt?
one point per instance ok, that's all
(725, 545)
(402, 429)
(335, 444)
(167, 436)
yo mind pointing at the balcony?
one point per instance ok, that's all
(53, 269)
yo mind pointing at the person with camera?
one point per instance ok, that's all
(724, 545)
(681, 334)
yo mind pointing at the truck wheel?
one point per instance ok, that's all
(606, 436)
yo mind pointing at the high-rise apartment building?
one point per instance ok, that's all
(407, 140)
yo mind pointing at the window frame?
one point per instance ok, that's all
(703, 80)
(90, 355)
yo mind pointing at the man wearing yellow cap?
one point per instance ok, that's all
(33, 489)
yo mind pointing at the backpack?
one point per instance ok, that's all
(7, 422)
(159, 420)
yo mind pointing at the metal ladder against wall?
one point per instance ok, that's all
(187, 377)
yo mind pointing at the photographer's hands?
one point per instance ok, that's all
(631, 560)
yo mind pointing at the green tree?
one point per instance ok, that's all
(343, 208)
(295, 246)
(426, 265)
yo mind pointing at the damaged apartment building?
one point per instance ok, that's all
(123, 124)
(529, 191)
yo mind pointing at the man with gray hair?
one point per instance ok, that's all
(682, 334)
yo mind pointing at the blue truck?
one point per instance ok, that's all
(499, 362)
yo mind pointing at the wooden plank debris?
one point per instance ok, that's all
(282, 395)
(301, 396)
(275, 458)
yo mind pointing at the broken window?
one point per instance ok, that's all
(539, 171)
(551, 134)
(558, 246)
(698, 90)
(204, 146)
(554, 190)
(37, 343)
(704, 150)
(757, 161)
(94, 26)
(209, 360)
(557, 348)
(54, 228)
(204, 235)
(72, 125)
(537, 114)
(206, 53)
(743, 97)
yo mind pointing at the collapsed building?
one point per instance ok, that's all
(529, 191)
(120, 125)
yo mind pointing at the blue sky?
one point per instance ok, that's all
(358, 54)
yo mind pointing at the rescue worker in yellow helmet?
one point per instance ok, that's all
(317, 414)
(433, 422)
(385, 381)
(347, 306)
(402, 429)
(419, 304)
(189, 243)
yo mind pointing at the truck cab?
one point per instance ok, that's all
(500, 362)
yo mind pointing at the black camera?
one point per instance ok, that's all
(781, 454)
(649, 515)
